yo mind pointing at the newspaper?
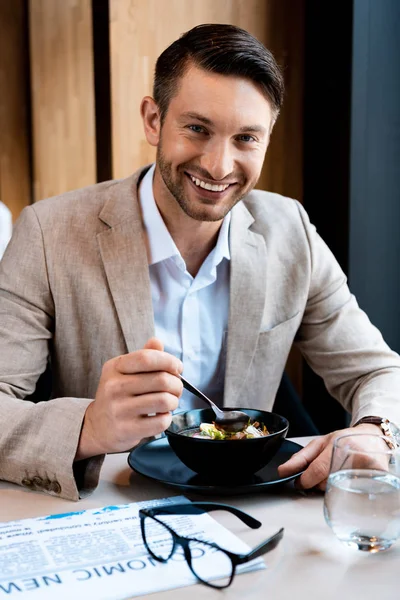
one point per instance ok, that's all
(99, 553)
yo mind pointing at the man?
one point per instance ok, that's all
(181, 267)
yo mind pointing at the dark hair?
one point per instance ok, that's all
(223, 49)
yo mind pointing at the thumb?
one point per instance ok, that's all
(154, 344)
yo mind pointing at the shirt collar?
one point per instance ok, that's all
(160, 243)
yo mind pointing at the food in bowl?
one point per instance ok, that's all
(213, 431)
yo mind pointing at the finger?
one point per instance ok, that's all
(149, 404)
(154, 344)
(322, 486)
(154, 424)
(127, 386)
(317, 472)
(300, 461)
(144, 426)
(148, 360)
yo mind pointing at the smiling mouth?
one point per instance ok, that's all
(209, 186)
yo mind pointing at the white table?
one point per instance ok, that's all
(308, 563)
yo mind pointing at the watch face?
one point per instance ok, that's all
(395, 431)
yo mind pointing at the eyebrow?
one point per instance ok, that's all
(206, 121)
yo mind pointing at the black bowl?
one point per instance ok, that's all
(221, 460)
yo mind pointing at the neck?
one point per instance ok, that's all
(194, 239)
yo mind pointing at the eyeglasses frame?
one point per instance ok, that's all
(183, 541)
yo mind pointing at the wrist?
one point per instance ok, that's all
(88, 445)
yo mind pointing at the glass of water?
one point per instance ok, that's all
(362, 498)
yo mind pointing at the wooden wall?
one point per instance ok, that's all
(15, 176)
(61, 52)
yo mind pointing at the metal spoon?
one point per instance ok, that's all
(230, 420)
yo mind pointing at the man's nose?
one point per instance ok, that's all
(218, 160)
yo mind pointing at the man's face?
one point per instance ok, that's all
(212, 143)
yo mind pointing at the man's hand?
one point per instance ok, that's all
(132, 387)
(315, 458)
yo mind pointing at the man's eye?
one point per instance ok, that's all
(246, 138)
(196, 128)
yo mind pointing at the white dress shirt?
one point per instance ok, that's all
(190, 314)
(5, 227)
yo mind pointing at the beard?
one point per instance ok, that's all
(203, 210)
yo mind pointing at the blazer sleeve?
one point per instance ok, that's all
(340, 343)
(38, 441)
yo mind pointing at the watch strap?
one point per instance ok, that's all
(392, 439)
(371, 419)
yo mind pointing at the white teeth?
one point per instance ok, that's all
(208, 186)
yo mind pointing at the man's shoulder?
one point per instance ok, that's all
(270, 206)
(110, 202)
(87, 199)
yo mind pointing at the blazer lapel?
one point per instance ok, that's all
(247, 299)
(123, 252)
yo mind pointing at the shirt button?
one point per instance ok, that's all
(55, 487)
(26, 482)
(37, 481)
(46, 484)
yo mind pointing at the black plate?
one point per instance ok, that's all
(158, 461)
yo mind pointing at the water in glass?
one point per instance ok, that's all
(362, 506)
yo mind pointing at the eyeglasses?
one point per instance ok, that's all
(162, 541)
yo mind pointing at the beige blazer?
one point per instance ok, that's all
(74, 286)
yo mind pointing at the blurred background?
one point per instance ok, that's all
(73, 73)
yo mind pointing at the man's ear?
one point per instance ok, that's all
(151, 120)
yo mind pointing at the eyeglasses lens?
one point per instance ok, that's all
(159, 540)
(206, 569)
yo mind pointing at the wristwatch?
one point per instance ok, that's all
(390, 430)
